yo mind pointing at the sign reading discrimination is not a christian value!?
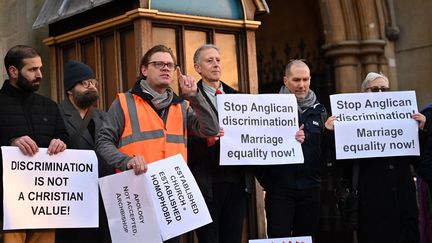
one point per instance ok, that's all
(375, 124)
(168, 193)
(49, 191)
(259, 129)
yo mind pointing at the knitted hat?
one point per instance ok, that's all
(75, 72)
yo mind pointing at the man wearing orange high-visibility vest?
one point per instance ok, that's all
(150, 122)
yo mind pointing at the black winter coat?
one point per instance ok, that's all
(23, 113)
(308, 174)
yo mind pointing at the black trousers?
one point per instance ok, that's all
(292, 212)
(227, 209)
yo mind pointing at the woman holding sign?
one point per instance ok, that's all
(387, 207)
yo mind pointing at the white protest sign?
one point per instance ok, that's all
(303, 239)
(375, 124)
(50, 191)
(131, 217)
(259, 129)
(178, 202)
(162, 203)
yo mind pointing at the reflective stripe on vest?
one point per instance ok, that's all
(146, 134)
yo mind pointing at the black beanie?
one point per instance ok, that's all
(75, 72)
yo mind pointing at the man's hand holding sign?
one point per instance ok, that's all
(49, 191)
(260, 129)
(162, 203)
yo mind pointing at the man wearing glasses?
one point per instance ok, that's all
(150, 122)
(387, 206)
(83, 122)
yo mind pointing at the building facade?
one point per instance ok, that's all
(342, 40)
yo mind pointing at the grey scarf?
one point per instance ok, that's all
(305, 103)
(160, 101)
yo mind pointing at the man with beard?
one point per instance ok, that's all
(83, 122)
(28, 121)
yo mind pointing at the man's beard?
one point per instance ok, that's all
(85, 99)
(27, 85)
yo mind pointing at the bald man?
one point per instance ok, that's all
(292, 200)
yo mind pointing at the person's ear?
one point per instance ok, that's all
(197, 68)
(143, 70)
(285, 80)
(13, 72)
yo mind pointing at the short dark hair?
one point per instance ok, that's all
(159, 48)
(15, 55)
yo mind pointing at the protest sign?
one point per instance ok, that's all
(375, 124)
(178, 202)
(303, 239)
(49, 191)
(167, 191)
(130, 214)
(259, 129)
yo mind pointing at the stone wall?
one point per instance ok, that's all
(16, 20)
(414, 48)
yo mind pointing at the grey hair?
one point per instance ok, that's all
(197, 54)
(371, 77)
(294, 62)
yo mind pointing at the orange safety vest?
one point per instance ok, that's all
(145, 132)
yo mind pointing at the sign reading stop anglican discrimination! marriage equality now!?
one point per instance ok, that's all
(162, 203)
(259, 129)
(375, 124)
(50, 191)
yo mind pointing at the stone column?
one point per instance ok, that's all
(346, 63)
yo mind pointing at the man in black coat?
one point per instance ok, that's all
(83, 122)
(292, 199)
(223, 187)
(28, 121)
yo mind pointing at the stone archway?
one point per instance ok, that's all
(355, 39)
(343, 39)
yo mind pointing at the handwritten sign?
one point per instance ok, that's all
(169, 198)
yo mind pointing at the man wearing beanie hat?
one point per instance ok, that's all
(83, 122)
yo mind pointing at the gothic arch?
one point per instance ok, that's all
(355, 39)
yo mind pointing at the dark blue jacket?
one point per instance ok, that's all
(306, 175)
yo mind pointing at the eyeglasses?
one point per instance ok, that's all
(378, 89)
(86, 83)
(159, 65)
